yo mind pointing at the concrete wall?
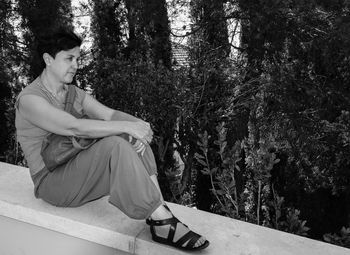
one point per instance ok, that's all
(29, 226)
(19, 238)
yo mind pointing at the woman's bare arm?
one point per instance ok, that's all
(42, 114)
(97, 110)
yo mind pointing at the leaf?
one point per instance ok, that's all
(212, 171)
(178, 106)
(205, 171)
(232, 184)
(203, 163)
(223, 146)
(220, 192)
(198, 156)
(326, 238)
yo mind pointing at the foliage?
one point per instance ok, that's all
(253, 201)
(37, 18)
(263, 133)
(293, 224)
(140, 88)
(341, 239)
(296, 96)
(13, 153)
(295, 112)
(9, 57)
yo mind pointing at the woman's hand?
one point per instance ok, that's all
(139, 146)
(142, 131)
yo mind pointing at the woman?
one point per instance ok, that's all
(113, 165)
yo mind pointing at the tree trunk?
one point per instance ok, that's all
(149, 29)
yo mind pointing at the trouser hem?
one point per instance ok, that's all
(154, 208)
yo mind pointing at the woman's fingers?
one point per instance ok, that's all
(143, 150)
(139, 146)
(142, 131)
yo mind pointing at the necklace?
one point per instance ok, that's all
(53, 96)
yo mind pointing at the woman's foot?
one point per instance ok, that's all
(167, 229)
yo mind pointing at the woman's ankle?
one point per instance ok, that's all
(161, 213)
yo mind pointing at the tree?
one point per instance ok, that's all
(108, 20)
(208, 60)
(7, 48)
(39, 17)
(149, 30)
(295, 59)
(132, 73)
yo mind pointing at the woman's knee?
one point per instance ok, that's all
(111, 142)
(149, 161)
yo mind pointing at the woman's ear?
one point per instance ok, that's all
(47, 59)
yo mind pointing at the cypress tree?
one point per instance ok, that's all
(39, 17)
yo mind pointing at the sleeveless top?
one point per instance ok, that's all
(31, 136)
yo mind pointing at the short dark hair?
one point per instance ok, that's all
(58, 39)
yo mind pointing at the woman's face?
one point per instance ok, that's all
(64, 66)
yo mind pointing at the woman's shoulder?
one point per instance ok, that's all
(32, 88)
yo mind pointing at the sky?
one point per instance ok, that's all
(179, 22)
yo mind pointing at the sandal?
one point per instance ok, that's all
(190, 237)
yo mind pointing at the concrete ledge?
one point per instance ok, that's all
(100, 223)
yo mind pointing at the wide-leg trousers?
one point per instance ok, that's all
(110, 166)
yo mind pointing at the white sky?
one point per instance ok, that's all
(179, 22)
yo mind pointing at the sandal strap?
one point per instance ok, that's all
(191, 237)
(169, 221)
(151, 222)
(166, 207)
(172, 230)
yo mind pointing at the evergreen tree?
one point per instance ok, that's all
(130, 70)
(149, 29)
(108, 19)
(209, 57)
(296, 55)
(39, 17)
(7, 47)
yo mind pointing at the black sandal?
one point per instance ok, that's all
(190, 237)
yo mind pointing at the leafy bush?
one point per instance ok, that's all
(342, 239)
(258, 201)
(136, 86)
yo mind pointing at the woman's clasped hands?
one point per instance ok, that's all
(142, 132)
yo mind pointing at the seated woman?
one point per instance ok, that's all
(113, 165)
